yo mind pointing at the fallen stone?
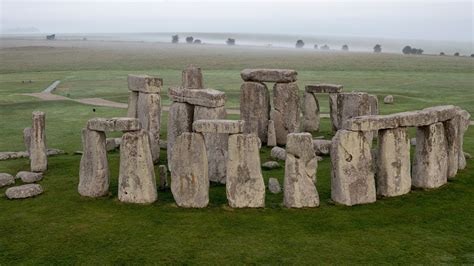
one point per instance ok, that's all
(323, 88)
(132, 104)
(37, 151)
(311, 117)
(201, 97)
(180, 120)
(149, 115)
(29, 177)
(6, 179)
(270, 165)
(192, 78)
(278, 153)
(114, 124)
(219, 126)
(51, 152)
(144, 83)
(274, 185)
(163, 177)
(24, 191)
(286, 112)
(255, 108)
(7, 155)
(269, 75)
(321, 146)
(388, 99)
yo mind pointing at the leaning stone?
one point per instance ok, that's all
(430, 163)
(271, 140)
(163, 177)
(144, 84)
(351, 104)
(300, 172)
(114, 124)
(29, 177)
(132, 104)
(322, 146)
(137, 183)
(244, 185)
(24, 191)
(202, 97)
(333, 111)
(352, 176)
(27, 138)
(6, 179)
(180, 120)
(393, 162)
(255, 108)
(38, 156)
(189, 178)
(286, 112)
(219, 126)
(94, 168)
(192, 78)
(274, 185)
(269, 75)
(270, 165)
(310, 112)
(278, 153)
(388, 99)
(323, 88)
(149, 115)
(451, 130)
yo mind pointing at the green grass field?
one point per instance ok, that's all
(60, 227)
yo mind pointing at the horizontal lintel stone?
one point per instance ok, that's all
(201, 97)
(114, 124)
(219, 126)
(269, 75)
(144, 83)
(323, 88)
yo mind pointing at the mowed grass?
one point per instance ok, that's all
(60, 227)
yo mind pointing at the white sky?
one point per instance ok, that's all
(431, 20)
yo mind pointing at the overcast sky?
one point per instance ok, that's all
(429, 20)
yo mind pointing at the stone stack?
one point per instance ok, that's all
(255, 108)
(37, 139)
(311, 111)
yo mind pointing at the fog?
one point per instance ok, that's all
(422, 20)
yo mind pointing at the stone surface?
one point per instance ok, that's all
(430, 163)
(149, 115)
(189, 178)
(27, 138)
(192, 78)
(468, 156)
(6, 179)
(270, 165)
(374, 110)
(114, 124)
(274, 185)
(352, 175)
(111, 144)
(333, 111)
(269, 75)
(132, 104)
(144, 83)
(29, 177)
(464, 121)
(413, 141)
(300, 172)
(278, 153)
(322, 146)
(220, 126)
(163, 177)
(244, 185)
(24, 191)
(286, 110)
(451, 130)
(180, 120)
(24, 154)
(255, 108)
(323, 88)
(94, 168)
(38, 156)
(388, 99)
(311, 117)
(202, 97)
(351, 104)
(393, 162)
(137, 183)
(271, 136)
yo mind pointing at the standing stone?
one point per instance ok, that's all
(374, 110)
(300, 172)
(137, 183)
(351, 104)
(94, 168)
(464, 121)
(430, 164)
(6, 179)
(286, 112)
(333, 111)
(180, 120)
(163, 177)
(271, 138)
(149, 114)
(27, 138)
(274, 185)
(216, 143)
(38, 156)
(310, 113)
(451, 130)
(192, 78)
(255, 108)
(189, 178)
(132, 104)
(352, 175)
(393, 162)
(245, 187)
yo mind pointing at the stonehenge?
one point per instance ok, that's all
(311, 112)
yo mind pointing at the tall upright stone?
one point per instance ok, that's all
(286, 112)
(311, 117)
(352, 176)
(255, 108)
(244, 185)
(192, 78)
(180, 120)
(333, 111)
(137, 182)
(149, 114)
(27, 138)
(189, 177)
(451, 130)
(94, 168)
(393, 162)
(430, 163)
(38, 157)
(300, 172)
(132, 104)
(351, 104)
(464, 121)
(271, 139)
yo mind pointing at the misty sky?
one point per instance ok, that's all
(431, 20)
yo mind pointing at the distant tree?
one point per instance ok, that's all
(456, 54)
(51, 37)
(299, 44)
(472, 55)
(230, 41)
(345, 47)
(175, 39)
(442, 53)
(419, 51)
(197, 41)
(325, 47)
(189, 39)
(377, 48)
(315, 46)
(407, 50)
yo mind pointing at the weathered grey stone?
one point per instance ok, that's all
(6, 179)
(300, 172)
(393, 162)
(430, 163)
(451, 130)
(29, 177)
(189, 178)
(270, 165)
(38, 156)
(388, 99)
(278, 153)
(27, 138)
(137, 183)
(333, 111)
(371, 122)
(24, 191)
(192, 78)
(322, 146)
(443, 112)
(149, 115)
(163, 144)
(271, 138)
(351, 104)
(413, 141)
(374, 110)
(202, 97)
(111, 144)
(219, 126)
(352, 176)
(255, 108)
(94, 168)
(311, 117)
(323, 88)
(114, 124)
(180, 120)
(24, 154)
(274, 185)
(132, 104)
(144, 83)
(163, 177)
(467, 155)
(464, 121)
(286, 112)
(269, 75)
(244, 184)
